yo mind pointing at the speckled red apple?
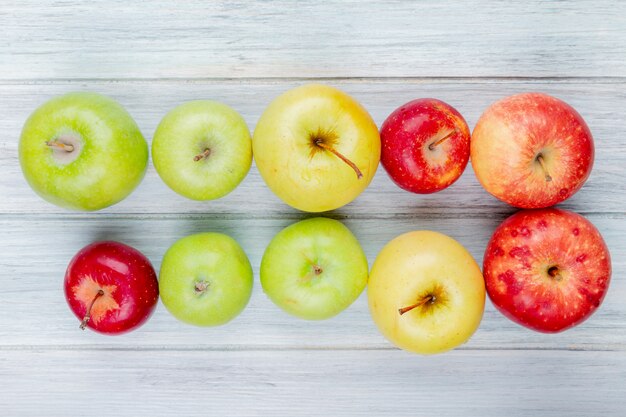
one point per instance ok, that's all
(531, 150)
(111, 287)
(547, 269)
(425, 145)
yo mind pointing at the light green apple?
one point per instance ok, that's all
(205, 279)
(202, 149)
(314, 269)
(82, 151)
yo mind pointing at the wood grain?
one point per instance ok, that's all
(598, 102)
(234, 39)
(304, 383)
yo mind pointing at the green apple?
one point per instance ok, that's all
(205, 279)
(314, 269)
(202, 149)
(82, 151)
(316, 148)
(426, 293)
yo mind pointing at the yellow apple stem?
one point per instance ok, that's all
(423, 301)
(543, 166)
(202, 155)
(59, 145)
(433, 145)
(83, 323)
(351, 164)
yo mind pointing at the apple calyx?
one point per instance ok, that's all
(201, 287)
(85, 320)
(555, 273)
(430, 299)
(204, 155)
(540, 160)
(326, 140)
(59, 145)
(436, 143)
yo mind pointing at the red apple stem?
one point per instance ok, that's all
(421, 302)
(202, 155)
(543, 167)
(351, 164)
(59, 145)
(433, 145)
(83, 323)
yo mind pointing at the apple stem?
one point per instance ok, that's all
(543, 167)
(201, 286)
(433, 145)
(351, 164)
(317, 269)
(59, 145)
(421, 302)
(555, 273)
(85, 320)
(202, 155)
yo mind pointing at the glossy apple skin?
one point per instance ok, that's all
(190, 129)
(109, 160)
(513, 132)
(288, 269)
(416, 264)
(216, 260)
(517, 262)
(408, 150)
(304, 179)
(126, 276)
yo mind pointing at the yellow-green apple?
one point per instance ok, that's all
(316, 148)
(82, 151)
(202, 149)
(547, 269)
(314, 269)
(531, 150)
(205, 279)
(425, 145)
(426, 293)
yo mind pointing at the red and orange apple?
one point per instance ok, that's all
(425, 145)
(531, 150)
(547, 269)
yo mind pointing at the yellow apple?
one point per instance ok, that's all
(426, 293)
(316, 148)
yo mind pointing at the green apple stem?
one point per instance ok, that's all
(351, 164)
(543, 167)
(201, 287)
(427, 299)
(433, 145)
(59, 145)
(83, 323)
(202, 155)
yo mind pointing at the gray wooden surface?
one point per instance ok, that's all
(153, 56)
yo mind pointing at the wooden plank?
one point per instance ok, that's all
(36, 249)
(596, 101)
(196, 39)
(303, 383)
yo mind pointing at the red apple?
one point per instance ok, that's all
(531, 150)
(425, 145)
(547, 269)
(111, 287)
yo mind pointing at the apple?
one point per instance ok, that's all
(316, 148)
(425, 145)
(202, 149)
(314, 269)
(111, 287)
(205, 279)
(426, 293)
(547, 269)
(82, 151)
(531, 150)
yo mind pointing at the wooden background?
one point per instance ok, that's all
(152, 56)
